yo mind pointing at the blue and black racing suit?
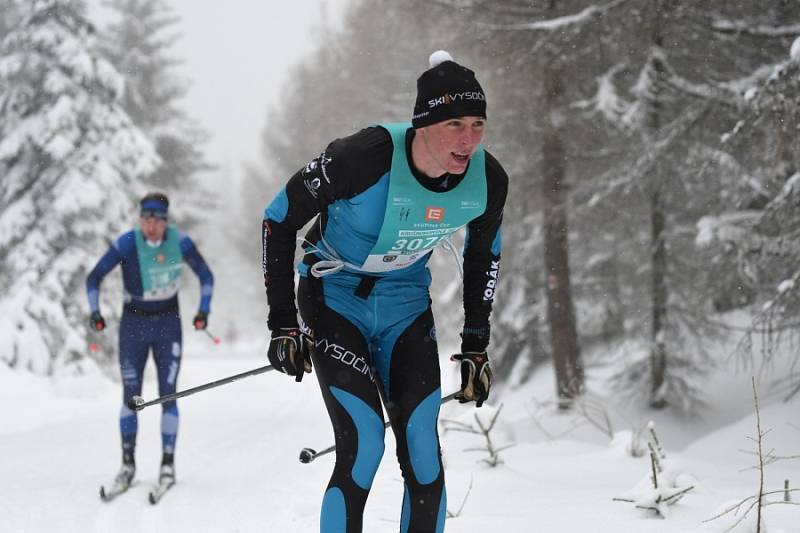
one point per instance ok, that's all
(150, 318)
(363, 296)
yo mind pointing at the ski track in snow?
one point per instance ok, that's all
(237, 468)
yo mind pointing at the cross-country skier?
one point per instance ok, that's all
(383, 199)
(152, 257)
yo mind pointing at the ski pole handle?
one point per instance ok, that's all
(309, 454)
(137, 403)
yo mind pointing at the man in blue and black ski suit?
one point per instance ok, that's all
(152, 257)
(383, 199)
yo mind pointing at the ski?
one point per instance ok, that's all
(158, 492)
(121, 483)
(113, 491)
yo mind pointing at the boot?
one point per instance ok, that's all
(166, 474)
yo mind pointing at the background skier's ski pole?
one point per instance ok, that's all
(212, 337)
(309, 454)
(137, 403)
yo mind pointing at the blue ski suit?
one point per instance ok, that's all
(150, 318)
(363, 296)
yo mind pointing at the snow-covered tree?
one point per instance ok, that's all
(759, 230)
(71, 160)
(688, 92)
(651, 86)
(139, 43)
(10, 14)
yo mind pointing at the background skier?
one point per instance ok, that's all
(151, 256)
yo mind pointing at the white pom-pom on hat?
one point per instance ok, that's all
(439, 57)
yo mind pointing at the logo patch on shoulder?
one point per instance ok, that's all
(312, 185)
(320, 163)
(434, 214)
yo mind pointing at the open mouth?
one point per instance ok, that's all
(459, 157)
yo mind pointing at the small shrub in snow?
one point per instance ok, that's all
(665, 485)
(485, 420)
(738, 516)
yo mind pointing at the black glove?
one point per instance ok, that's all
(97, 321)
(290, 352)
(476, 377)
(200, 320)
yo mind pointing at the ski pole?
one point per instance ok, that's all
(211, 336)
(137, 403)
(309, 454)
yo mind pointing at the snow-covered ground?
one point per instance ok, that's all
(237, 466)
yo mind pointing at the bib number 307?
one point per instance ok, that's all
(413, 245)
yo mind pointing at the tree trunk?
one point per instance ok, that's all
(658, 250)
(560, 314)
(658, 350)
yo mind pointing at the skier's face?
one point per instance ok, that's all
(153, 228)
(451, 143)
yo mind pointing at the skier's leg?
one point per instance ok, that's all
(133, 348)
(341, 363)
(412, 399)
(167, 347)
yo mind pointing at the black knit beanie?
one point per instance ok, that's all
(447, 90)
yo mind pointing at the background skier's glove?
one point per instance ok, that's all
(200, 320)
(476, 377)
(97, 321)
(290, 352)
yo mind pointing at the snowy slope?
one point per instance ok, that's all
(237, 466)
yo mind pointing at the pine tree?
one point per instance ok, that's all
(139, 43)
(679, 113)
(70, 159)
(758, 232)
(10, 15)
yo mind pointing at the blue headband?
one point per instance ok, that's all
(153, 208)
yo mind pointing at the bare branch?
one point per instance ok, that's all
(560, 23)
(792, 394)
(451, 514)
(738, 505)
(653, 462)
(678, 495)
(604, 422)
(485, 431)
(760, 458)
(652, 428)
(743, 26)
